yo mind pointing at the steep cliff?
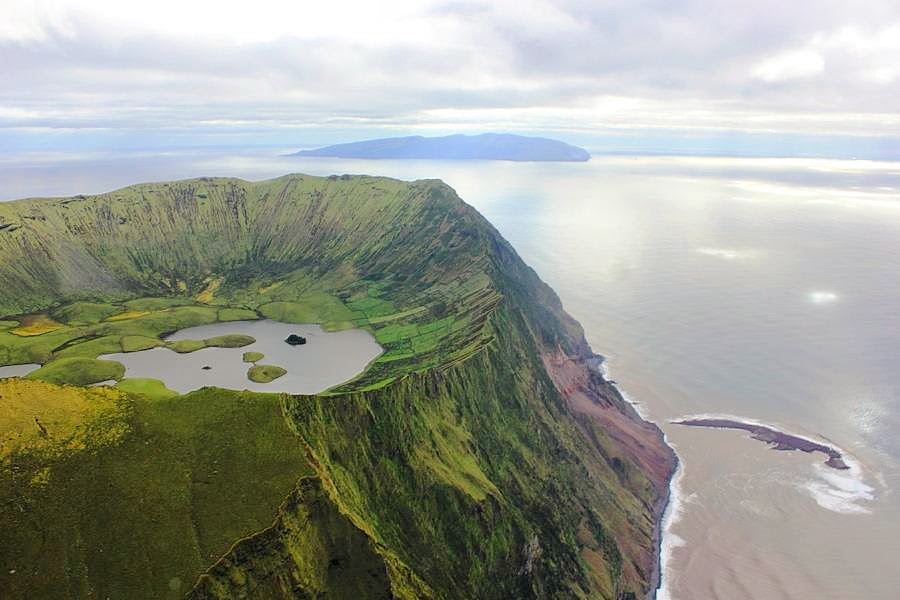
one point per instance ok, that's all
(480, 456)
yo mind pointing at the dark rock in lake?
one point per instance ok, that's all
(295, 340)
(206, 368)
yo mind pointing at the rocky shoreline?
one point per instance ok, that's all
(778, 440)
(659, 512)
(583, 383)
(595, 364)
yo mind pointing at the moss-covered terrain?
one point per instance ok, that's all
(252, 357)
(264, 373)
(478, 457)
(232, 340)
(79, 371)
(133, 495)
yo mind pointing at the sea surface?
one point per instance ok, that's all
(764, 289)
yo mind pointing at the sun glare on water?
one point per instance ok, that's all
(822, 297)
(727, 253)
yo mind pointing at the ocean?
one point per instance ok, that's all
(766, 289)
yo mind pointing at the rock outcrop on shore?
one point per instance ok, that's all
(778, 440)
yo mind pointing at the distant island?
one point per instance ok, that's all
(486, 146)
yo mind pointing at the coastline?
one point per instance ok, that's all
(667, 509)
(668, 541)
(668, 505)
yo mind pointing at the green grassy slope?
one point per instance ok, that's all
(173, 238)
(142, 514)
(461, 468)
(458, 465)
(336, 559)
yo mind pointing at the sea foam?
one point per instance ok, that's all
(638, 407)
(669, 540)
(842, 492)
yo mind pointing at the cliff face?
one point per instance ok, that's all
(479, 456)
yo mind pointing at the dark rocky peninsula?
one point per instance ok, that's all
(777, 439)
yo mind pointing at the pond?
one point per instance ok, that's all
(326, 360)
(17, 370)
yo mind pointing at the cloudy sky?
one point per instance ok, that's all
(173, 72)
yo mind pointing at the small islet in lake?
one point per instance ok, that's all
(326, 360)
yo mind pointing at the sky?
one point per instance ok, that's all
(798, 76)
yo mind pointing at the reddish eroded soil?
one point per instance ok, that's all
(587, 393)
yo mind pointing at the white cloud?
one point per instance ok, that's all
(515, 64)
(28, 21)
(870, 56)
(793, 64)
(876, 54)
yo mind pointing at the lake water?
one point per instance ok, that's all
(326, 360)
(761, 288)
(17, 370)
